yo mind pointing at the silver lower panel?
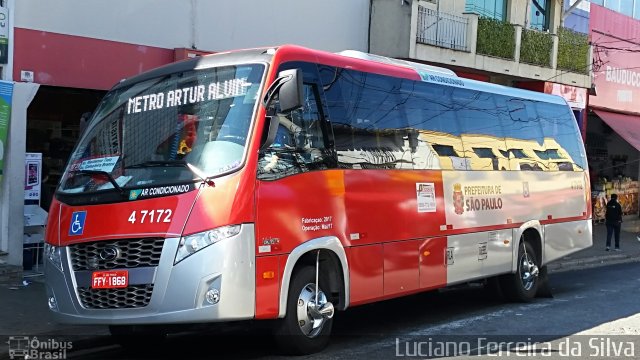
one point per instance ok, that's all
(566, 238)
(178, 290)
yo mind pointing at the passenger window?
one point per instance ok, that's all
(483, 136)
(562, 136)
(523, 135)
(369, 127)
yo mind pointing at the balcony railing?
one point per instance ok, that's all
(563, 49)
(573, 51)
(536, 47)
(441, 29)
(496, 38)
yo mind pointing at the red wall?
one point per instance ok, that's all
(81, 62)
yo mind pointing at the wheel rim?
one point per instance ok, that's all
(528, 272)
(310, 320)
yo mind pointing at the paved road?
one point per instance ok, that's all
(593, 314)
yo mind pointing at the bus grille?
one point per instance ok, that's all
(133, 296)
(131, 253)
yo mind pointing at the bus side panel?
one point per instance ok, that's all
(383, 205)
(479, 199)
(478, 255)
(401, 272)
(366, 273)
(433, 271)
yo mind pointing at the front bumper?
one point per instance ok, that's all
(178, 294)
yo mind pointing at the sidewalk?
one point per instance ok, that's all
(597, 256)
(24, 310)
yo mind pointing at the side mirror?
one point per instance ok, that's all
(289, 87)
(270, 132)
(291, 90)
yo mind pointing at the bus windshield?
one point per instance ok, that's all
(167, 130)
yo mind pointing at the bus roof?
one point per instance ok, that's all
(426, 73)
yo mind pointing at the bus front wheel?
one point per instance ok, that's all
(306, 327)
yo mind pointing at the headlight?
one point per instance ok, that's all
(196, 242)
(53, 253)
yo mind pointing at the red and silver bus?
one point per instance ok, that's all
(286, 183)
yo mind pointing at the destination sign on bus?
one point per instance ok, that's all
(188, 95)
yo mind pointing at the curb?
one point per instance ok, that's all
(593, 261)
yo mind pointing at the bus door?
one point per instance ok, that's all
(295, 201)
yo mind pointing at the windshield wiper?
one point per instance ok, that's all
(173, 163)
(102, 173)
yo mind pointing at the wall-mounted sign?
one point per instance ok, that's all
(4, 35)
(575, 96)
(32, 176)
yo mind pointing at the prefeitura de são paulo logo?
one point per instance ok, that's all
(25, 347)
(458, 199)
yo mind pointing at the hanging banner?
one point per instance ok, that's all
(6, 93)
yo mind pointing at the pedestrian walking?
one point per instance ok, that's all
(613, 220)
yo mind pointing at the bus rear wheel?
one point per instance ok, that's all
(522, 286)
(306, 327)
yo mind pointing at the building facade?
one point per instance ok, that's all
(63, 57)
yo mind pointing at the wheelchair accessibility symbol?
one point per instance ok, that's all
(77, 223)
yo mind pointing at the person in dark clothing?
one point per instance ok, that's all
(613, 220)
(45, 193)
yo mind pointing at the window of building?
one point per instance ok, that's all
(540, 14)
(597, 2)
(613, 5)
(485, 153)
(516, 153)
(495, 9)
(622, 6)
(444, 150)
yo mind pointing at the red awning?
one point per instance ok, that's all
(627, 126)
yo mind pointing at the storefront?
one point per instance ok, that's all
(72, 85)
(70, 75)
(613, 125)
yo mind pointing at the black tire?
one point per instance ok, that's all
(514, 287)
(288, 334)
(544, 288)
(138, 339)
